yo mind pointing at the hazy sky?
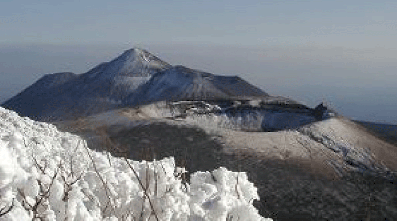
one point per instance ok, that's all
(357, 23)
(342, 51)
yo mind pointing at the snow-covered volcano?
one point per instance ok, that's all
(136, 77)
(67, 95)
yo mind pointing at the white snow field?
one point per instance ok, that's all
(46, 174)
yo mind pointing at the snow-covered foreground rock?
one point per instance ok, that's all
(52, 175)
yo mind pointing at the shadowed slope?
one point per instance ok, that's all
(38, 98)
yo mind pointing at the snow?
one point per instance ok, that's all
(132, 83)
(51, 175)
(181, 83)
(134, 63)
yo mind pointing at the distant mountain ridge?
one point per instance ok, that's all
(133, 78)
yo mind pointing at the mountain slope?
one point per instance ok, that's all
(319, 170)
(181, 83)
(67, 96)
(386, 131)
(33, 100)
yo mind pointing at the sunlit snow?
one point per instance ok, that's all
(51, 175)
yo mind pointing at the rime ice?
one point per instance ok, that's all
(52, 175)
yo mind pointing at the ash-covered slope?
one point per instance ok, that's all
(68, 96)
(181, 83)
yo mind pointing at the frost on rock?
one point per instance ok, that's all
(50, 175)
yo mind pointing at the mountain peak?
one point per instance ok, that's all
(135, 53)
(140, 55)
(134, 62)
